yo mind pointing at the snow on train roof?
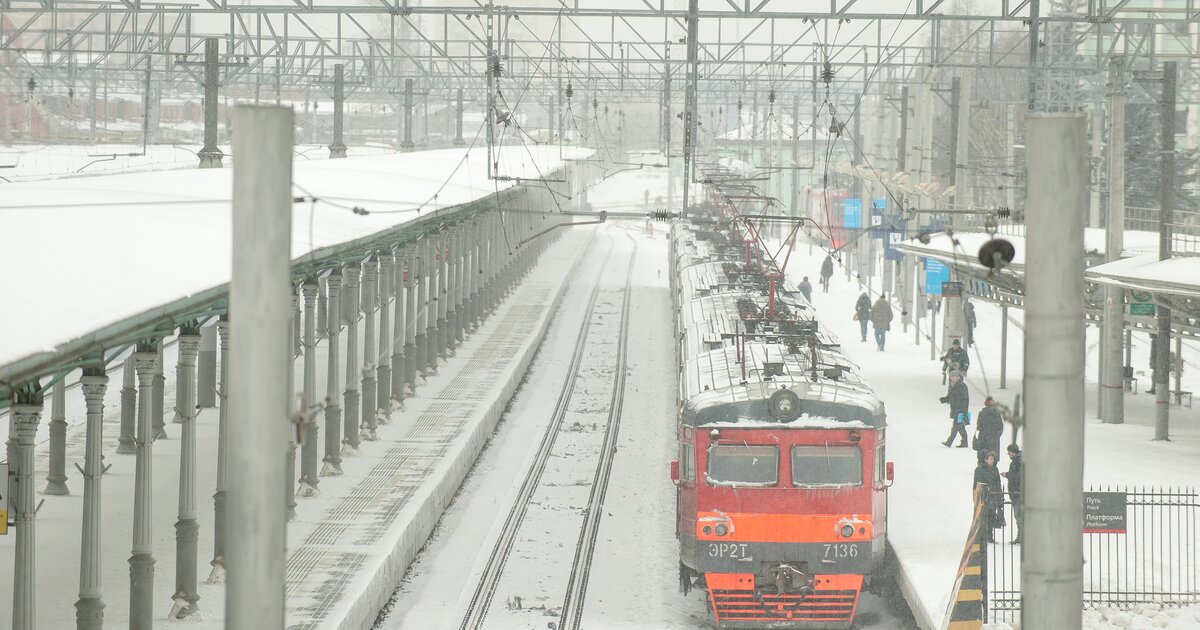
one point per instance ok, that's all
(805, 421)
(81, 254)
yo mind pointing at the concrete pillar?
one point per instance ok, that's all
(350, 438)
(333, 383)
(308, 458)
(436, 255)
(449, 328)
(383, 369)
(89, 609)
(262, 236)
(461, 278)
(1052, 550)
(399, 327)
(210, 155)
(206, 369)
(56, 479)
(338, 148)
(458, 127)
(141, 560)
(961, 168)
(407, 145)
(159, 392)
(296, 323)
(217, 575)
(187, 529)
(370, 284)
(1112, 402)
(23, 423)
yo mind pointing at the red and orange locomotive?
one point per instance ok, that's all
(782, 477)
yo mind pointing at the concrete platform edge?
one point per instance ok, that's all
(428, 507)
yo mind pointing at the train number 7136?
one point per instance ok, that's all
(835, 551)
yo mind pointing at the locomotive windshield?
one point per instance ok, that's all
(823, 466)
(743, 465)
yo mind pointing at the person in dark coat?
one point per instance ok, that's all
(862, 313)
(959, 400)
(881, 319)
(956, 360)
(987, 481)
(826, 272)
(806, 289)
(1016, 487)
(970, 315)
(989, 428)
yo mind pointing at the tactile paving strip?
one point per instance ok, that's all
(319, 571)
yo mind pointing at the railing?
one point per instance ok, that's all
(1153, 559)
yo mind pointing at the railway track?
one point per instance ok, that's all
(481, 600)
(571, 615)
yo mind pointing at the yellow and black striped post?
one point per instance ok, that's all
(966, 600)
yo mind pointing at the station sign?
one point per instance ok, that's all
(878, 210)
(1141, 303)
(952, 289)
(852, 214)
(895, 235)
(1104, 512)
(936, 273)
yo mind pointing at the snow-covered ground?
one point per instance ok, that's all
(929, 505)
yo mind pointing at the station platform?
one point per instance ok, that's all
(929, 505)
(349, 546)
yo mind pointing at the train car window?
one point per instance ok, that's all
(687, 462)
(826, 466)
(880, 463)
(742, 465)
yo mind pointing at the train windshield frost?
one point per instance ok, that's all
(743, 465)
(826, 466)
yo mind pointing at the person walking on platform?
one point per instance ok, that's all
(989, 429)
(987, 482)
(862, 313)
(806, 289)
(881, 319)
(970, 317)
(956, 360)
(826, 272)
(959, 400)
(1016, 487)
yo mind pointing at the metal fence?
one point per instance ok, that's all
(1155, 560)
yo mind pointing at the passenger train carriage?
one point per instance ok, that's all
(781, 477)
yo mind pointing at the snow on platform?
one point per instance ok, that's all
(930, 502)
(83, 253)
(348, 547)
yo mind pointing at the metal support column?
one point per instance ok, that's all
(56, 478)
(258, 300)
(370, 284)
(338, 148)
(158, 409)
(89, 609)
(431, 253)
(1003, 345)
(309, 453)
(141, 561)
(23, 423)
(187, 530)
(1052, 553)
(400, 269)
(217, 575)
(206, 369)
(333, 383)
(351, 276)
(689, 106)
(383, 369)
(294, 324)
(210, 155)
(412, 266)
(458, 125)
(407, 145)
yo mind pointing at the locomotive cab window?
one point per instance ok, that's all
(826, 466)
(687, 462)
(743, 465)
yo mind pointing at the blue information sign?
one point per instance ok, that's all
(895, 234)
(936, 272)
(852, 214)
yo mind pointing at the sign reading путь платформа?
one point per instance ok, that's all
(1104, 512)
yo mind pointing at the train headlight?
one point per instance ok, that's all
(722, 529)
(847, 531)
(707, 530)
